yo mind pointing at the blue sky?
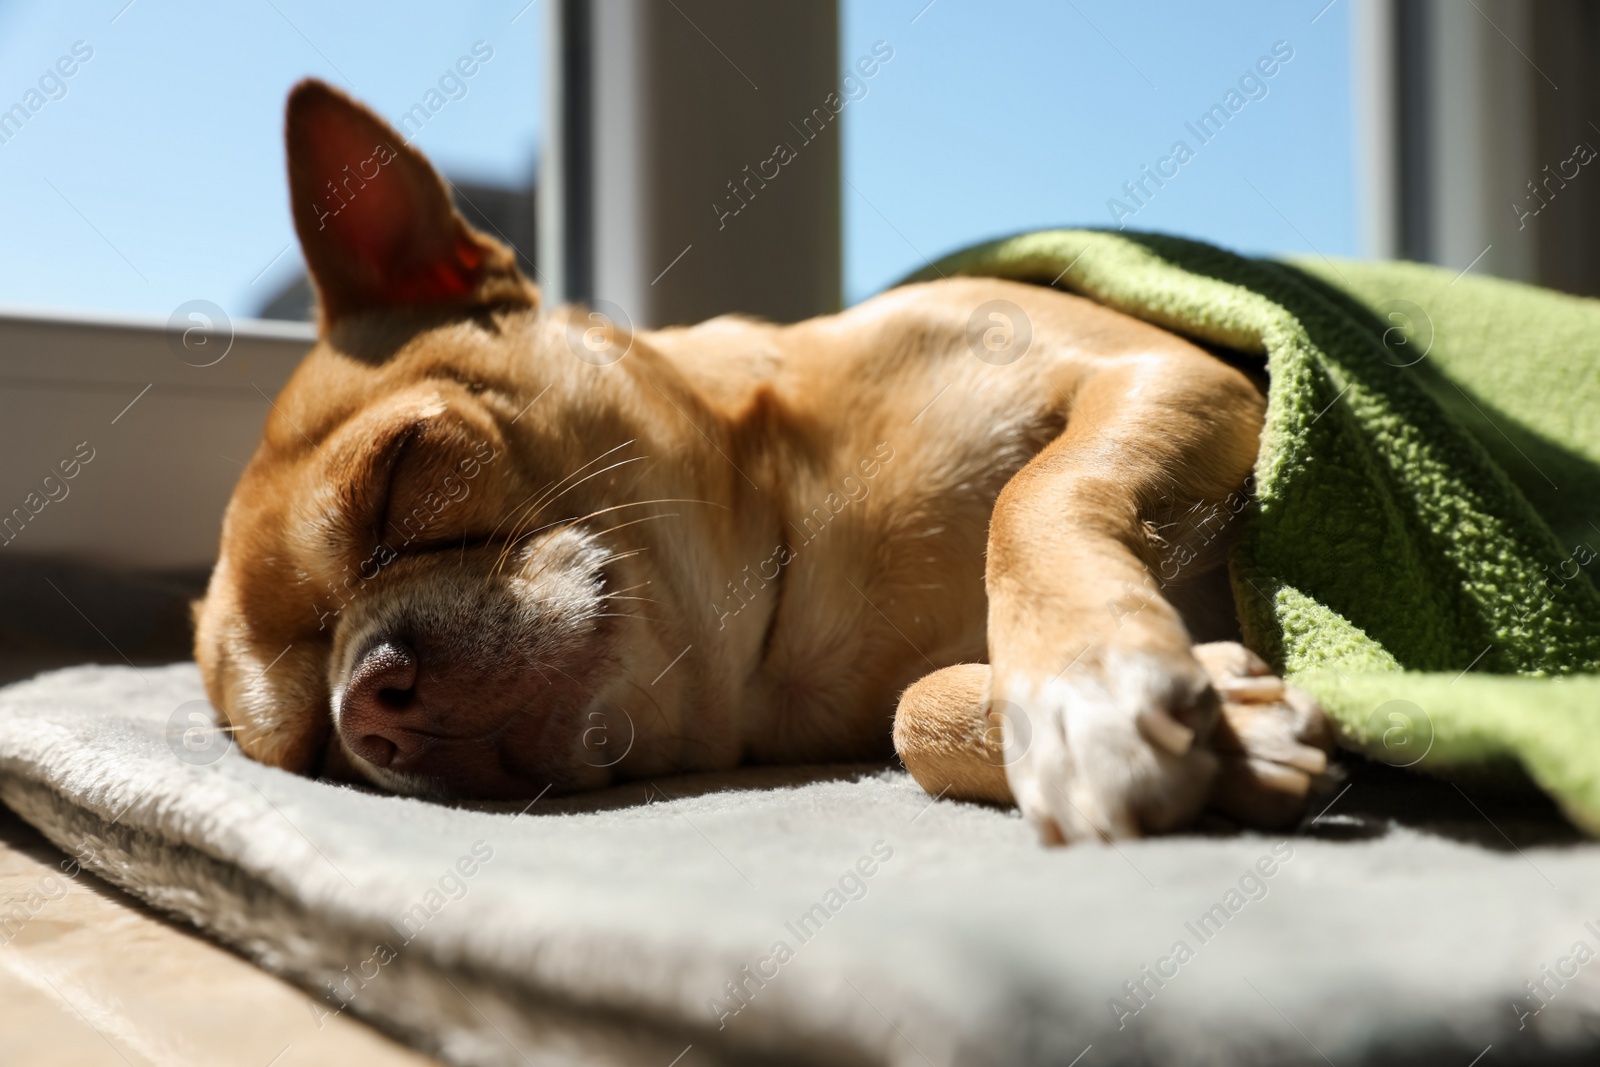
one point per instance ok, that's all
(169, 140)
(1000, 116)
(158, 177)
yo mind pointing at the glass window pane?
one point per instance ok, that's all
(153, 174)
(993, 118)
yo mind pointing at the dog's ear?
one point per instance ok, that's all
(375, 221)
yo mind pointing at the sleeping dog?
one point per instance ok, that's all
(487, 548)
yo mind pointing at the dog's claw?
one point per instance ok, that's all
(1260, 793)
(1165, 732)
(1259, 690)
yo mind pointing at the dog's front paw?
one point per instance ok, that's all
(1273, 739)
(1111, 749)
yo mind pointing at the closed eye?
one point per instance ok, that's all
(465, 544)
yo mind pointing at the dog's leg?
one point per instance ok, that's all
(1272, 740)
(946, 739)
(1109, 713)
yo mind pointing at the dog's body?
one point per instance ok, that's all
(510, 549)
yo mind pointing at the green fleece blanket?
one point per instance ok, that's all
(1421, 547)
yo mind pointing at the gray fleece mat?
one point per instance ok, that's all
(847, 918)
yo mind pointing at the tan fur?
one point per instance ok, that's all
(810, 517)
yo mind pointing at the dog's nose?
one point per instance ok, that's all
(380, 703)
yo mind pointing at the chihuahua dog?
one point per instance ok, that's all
(487, 549)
